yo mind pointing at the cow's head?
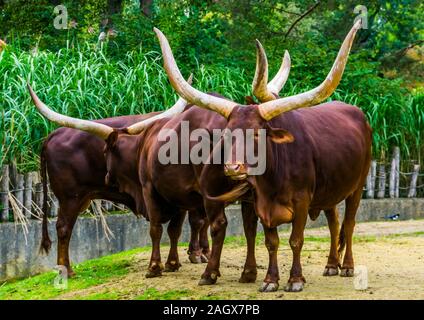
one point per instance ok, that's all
(257, 116)
(247, 119)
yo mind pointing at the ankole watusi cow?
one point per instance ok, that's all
(165, 189)
(316, 156)
(74, 161)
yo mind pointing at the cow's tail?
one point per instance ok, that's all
(46, 243)
(342, 242)
(232, 195)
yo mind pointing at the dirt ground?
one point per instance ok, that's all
(392, 252)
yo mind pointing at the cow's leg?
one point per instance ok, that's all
(155, 265)
(270, 283)
(156, 229)
(296, 280)
(250, 224)
(218, 224)
(332, 267)
(346, 233)
(194, 250)
(66, 218)
(204, 241)
(174, 232)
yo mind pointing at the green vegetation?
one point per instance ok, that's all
(89, 273)
(107, 270)
(86, 83)
(78, 75)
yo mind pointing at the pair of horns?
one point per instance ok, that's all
(261, 88)
(269, 109)
(98, 129)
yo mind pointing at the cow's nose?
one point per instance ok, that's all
(232, 169)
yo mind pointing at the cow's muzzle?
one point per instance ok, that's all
(236, 171)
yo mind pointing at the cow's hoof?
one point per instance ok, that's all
(294, 286)
(268, 287)
(346, 272)
(155, 270)
(153, 273)
(248, 276)
(208, 280)
(204, 258)
(172, 266)
(196, 259)
(330, 271)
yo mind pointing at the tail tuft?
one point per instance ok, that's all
(45, 246)
(46, 243)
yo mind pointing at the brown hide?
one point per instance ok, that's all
(76, 164)
(326, 160)
(323, 160)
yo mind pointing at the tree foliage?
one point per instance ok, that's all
(384, 74)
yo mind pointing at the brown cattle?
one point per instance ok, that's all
(165, 191)
(75, 163)
(316, 157)
(161, 195)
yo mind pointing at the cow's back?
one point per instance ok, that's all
(75, 160)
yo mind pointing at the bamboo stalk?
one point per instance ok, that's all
(413, 186)
(392, 178)
(19, 191)
(38, 195)
(381, 181)
(28, 194)
(371, 180)
(397, 172)
(4, 194)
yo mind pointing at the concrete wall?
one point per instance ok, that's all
(19, 256)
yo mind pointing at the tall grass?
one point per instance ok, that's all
(86, 83)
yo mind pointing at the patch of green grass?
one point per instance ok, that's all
(241, 240)
(100, 296)
(89, 273)
(410, 234)
(260, 238)
(154, 294)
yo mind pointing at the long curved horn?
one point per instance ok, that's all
(271, 109)
(177, 108)
(98, 129)
(186, 91)
(263, 90)
(277, 83)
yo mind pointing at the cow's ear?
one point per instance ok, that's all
(278, 135)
